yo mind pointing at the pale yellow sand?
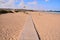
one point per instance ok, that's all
(48, 25)
(11, 25)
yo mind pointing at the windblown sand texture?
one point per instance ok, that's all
(11, 25)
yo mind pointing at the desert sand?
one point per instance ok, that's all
(47, 25)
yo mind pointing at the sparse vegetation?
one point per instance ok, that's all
(5, 11)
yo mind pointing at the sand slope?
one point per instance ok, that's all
(11, 25)
(48, 25)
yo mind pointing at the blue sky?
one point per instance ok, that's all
(31, 4)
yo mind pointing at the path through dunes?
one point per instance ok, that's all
(29, 32)
(22, 26)
(11, 25)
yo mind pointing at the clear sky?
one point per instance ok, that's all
(31, 4)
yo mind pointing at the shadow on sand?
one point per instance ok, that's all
(37, 32)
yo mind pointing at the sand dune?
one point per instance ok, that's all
(48, 25)
(11, 25)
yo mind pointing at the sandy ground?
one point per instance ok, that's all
(11, 25)
(48, 25)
